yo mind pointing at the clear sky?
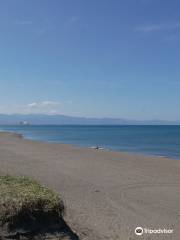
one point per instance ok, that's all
(99, 58)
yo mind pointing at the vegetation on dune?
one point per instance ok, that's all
(25, 201)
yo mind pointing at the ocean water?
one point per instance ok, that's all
(148, 140)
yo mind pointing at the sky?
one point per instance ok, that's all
(105, 58)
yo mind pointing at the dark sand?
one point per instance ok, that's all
(107, 194)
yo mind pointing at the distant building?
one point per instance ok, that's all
(24, 123)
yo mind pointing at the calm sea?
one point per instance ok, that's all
(149, 140)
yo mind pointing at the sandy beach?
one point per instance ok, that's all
(107, 194)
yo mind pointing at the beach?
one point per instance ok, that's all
(107, 194)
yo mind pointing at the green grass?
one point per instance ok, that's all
(25, 200)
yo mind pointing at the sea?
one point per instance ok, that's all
(162, 141)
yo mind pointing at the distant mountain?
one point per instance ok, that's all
(37, 119)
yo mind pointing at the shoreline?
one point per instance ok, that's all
(107, 194)
(141, 154)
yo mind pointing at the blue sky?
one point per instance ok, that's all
(105, 58)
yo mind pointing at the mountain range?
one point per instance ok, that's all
(37, 119)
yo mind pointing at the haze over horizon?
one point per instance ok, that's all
(114, 59)
(59, 119)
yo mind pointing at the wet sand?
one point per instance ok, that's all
(107, 194)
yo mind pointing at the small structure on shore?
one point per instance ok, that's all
(24, 123)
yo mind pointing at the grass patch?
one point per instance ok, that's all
(24, 203)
